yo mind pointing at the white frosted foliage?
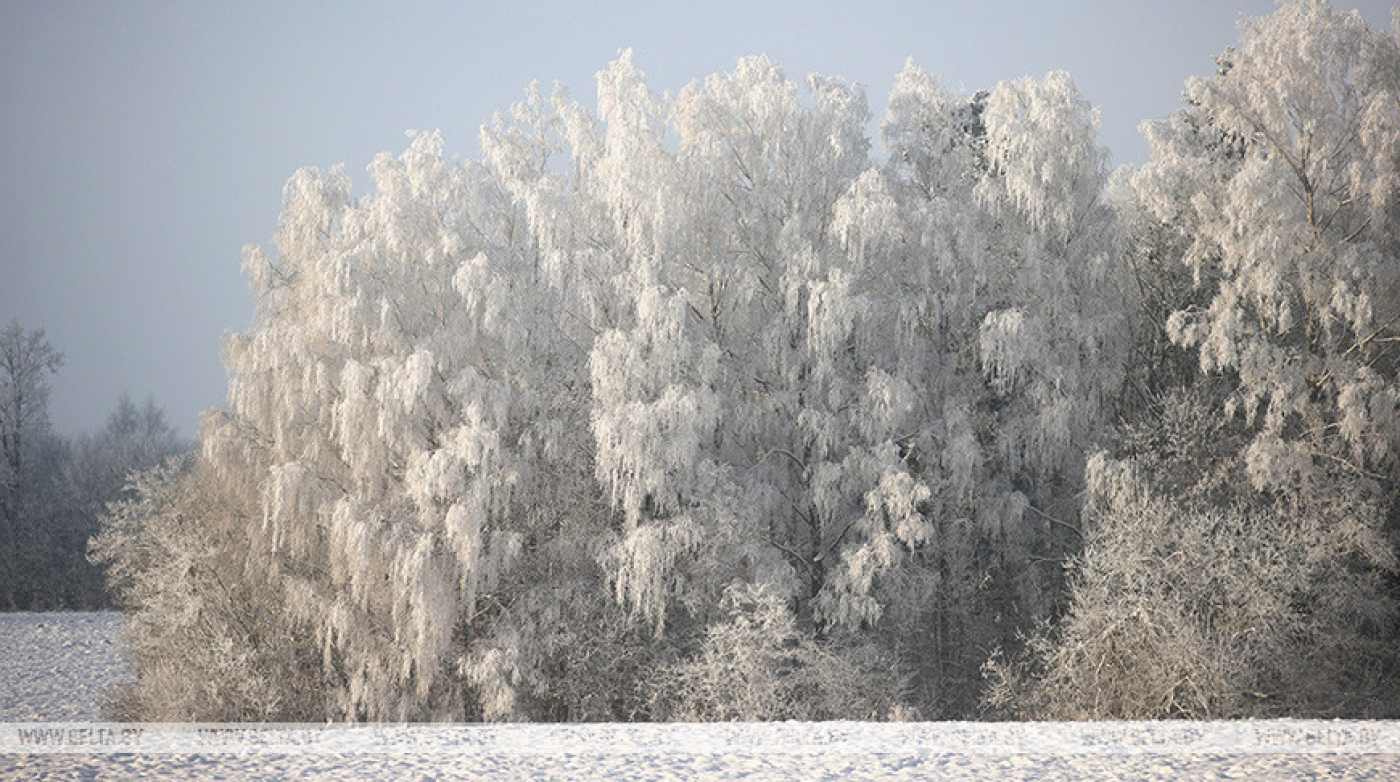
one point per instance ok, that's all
(1281, 179)
(660, 351)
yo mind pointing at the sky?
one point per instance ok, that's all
(143, 144)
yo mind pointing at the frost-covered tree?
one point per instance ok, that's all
(30, 456)
(1264, 248)
(518, 431)
(1280, 178)
(992, 206)
(698, 394)
(97, 471)
(410, 414)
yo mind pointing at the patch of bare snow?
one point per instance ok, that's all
(56, 667)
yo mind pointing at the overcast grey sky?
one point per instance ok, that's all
(143, 144)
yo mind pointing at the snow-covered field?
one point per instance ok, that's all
(56, 666)
(53, 668)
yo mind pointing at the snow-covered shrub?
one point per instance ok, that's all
(203, 633)
(757, 665)
(1181, 608)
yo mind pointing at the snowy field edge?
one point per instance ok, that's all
(1289, 737)
(57, 666)
(54, 668)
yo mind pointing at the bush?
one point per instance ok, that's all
(203, 635)
(758, 665)
(1264, 606)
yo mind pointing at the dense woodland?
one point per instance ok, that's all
(705, 406)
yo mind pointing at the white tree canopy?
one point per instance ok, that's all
(704, 339)
(1281, 175)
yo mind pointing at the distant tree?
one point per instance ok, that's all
(28, 455)
(97, 473)
(26, 361)
(53, 491)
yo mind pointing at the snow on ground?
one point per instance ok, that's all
(53, 668)
(56, 666)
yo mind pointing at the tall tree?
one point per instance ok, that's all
(992, 205)
(1265, 244)
(26, 361)
(1280, 175)
(27, 459)
(661, 376)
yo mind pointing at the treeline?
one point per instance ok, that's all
(55, 490)
(691, 407)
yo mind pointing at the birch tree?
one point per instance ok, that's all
(516, 427)
(1013, 341)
